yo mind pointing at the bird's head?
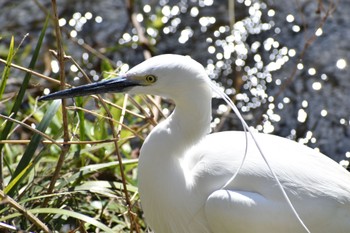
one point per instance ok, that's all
(170, 76)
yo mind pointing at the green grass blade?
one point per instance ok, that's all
(32, 146)
(107, 188)
(81, 115)
(64, 212)
(6, 72)
(82, 128)
(16, 106)
(91, 169)
(17, 178)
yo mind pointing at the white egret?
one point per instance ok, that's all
(183, 169)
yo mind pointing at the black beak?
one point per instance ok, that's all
(120, 84)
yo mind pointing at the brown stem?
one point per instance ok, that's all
(6, 199)
(61, 61)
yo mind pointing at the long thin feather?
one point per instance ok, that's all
(248, 130)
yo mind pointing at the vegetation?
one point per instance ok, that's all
(85, 182)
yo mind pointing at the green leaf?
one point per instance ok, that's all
(106, 188)
(17, 178)
(16, 106)
(91, 169)
(82, 217)
(6, 72)
(106, 66)
(100, 129)
(81, 116)
(31, 148)
(107, 70)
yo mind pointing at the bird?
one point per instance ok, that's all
(185, 172)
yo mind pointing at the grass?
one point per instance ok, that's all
(89, 184)
(75, 177)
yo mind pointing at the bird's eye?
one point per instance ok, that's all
(151, 79)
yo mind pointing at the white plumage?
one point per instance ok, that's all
(182, 169)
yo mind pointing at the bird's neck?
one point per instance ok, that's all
(168, 143)
(190, 120)
(162, 179)
(185, 127)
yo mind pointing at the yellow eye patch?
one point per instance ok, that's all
(144, 80)
(150, 79)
